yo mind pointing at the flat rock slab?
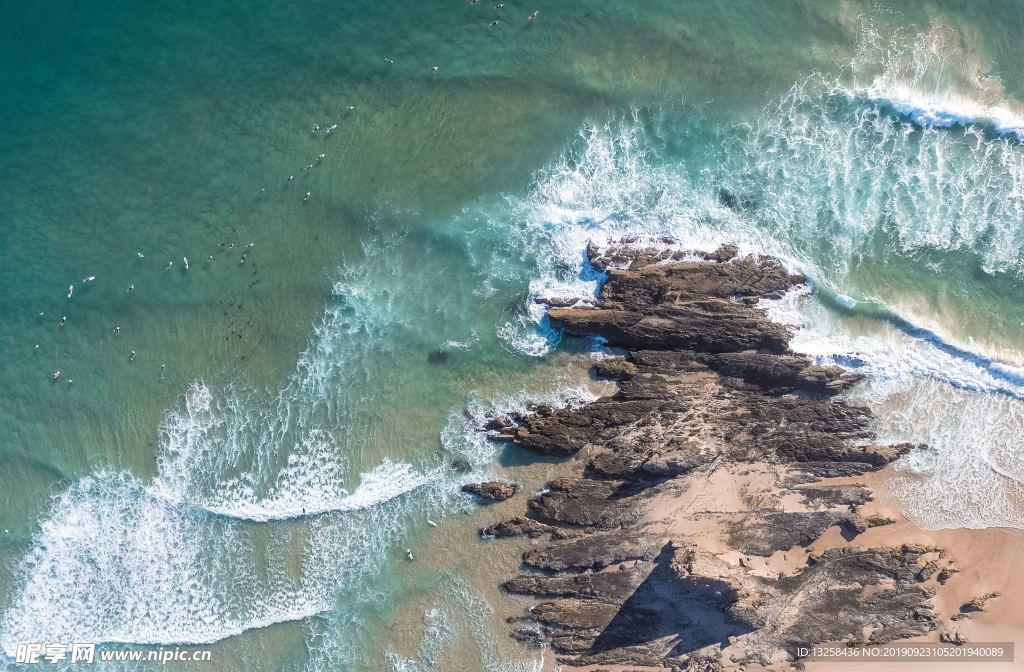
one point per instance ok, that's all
(496, 491)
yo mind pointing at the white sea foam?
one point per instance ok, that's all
(230, 458)
(268, 455)
(967, 410)
(115, 564)
(850, 173)
(463, 435)
(172, 561)
(932, 78)
(835, 179)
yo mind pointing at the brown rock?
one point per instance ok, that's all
(517, 527)
(495, 491)
(977, 604)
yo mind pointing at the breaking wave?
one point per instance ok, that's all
(834, 174)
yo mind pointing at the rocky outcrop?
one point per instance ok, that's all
(685, 539)
(691, 305)
(495, 491)
(520, 526)
(977, 604)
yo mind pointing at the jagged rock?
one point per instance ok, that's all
(627, 255)
(582, 501)
(778, 373)
(784, 530)
(954, 638)
(879, 521)
(945, 574)
(835, 495)
(615, 368)
(517, 527)
(617, 585)
(685, 305)
(542, 410)
(834, 606)
(496, 491)
(977, 604)
(500, 423)
(928, 571)
(618, 624)
(595, 551)
(558, 302)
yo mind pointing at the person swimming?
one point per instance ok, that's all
(185, 259)
(55, 375)
(71, 290)
(131, 356)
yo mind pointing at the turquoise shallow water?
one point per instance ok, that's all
(255, 473)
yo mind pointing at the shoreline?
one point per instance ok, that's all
(726, 511)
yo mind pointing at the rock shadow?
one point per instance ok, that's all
(691, 610)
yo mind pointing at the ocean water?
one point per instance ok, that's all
(370, 199)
